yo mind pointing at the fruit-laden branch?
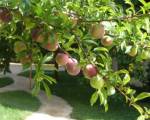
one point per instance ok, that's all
(119, 18)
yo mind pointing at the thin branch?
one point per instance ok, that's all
(118, 18)
(129, 99)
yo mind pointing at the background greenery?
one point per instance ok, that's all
(4, 81)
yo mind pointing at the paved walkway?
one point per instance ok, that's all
(51, 109)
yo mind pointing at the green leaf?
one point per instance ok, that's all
(103, 58)
(47, 58)
(36, 88)
(90, 42)
(129, 2)
(138, 108)
(94, 98)
(126, 79)
(128, 49)
(141, 117)
(101, 96)
(123, 45)
(48, 78)
(123, 71)
(130, 91)
(143, 2)
(47, 89)
(100, 49)
(106, 106)
(142, 96)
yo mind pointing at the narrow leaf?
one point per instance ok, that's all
(138, 108)
(142, 96)
(47, 89)
(94, 98)
(126, 79)
(48, 78)
(101, 49)
(90, 42)
(36, 88)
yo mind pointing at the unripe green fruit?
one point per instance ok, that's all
(111, 90)
(133, 51)
(97, 82)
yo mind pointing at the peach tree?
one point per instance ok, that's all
(83, 36)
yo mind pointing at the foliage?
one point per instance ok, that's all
(6, 54)
(4, 81)
(68, 26)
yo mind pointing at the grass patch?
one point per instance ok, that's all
(16, 105)
(77, 92)
(4, 81)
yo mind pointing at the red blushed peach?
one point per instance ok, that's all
(90, 71)
(51, 46)
(72, 67)
(62, 58)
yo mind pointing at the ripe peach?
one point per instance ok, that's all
(90, 71)
(72, 67)
(106, 41)
(51, 46)
(62, 58)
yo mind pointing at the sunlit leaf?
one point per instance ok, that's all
(94, 98)
(142, 96)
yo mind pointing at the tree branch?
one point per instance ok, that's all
(118, 18)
